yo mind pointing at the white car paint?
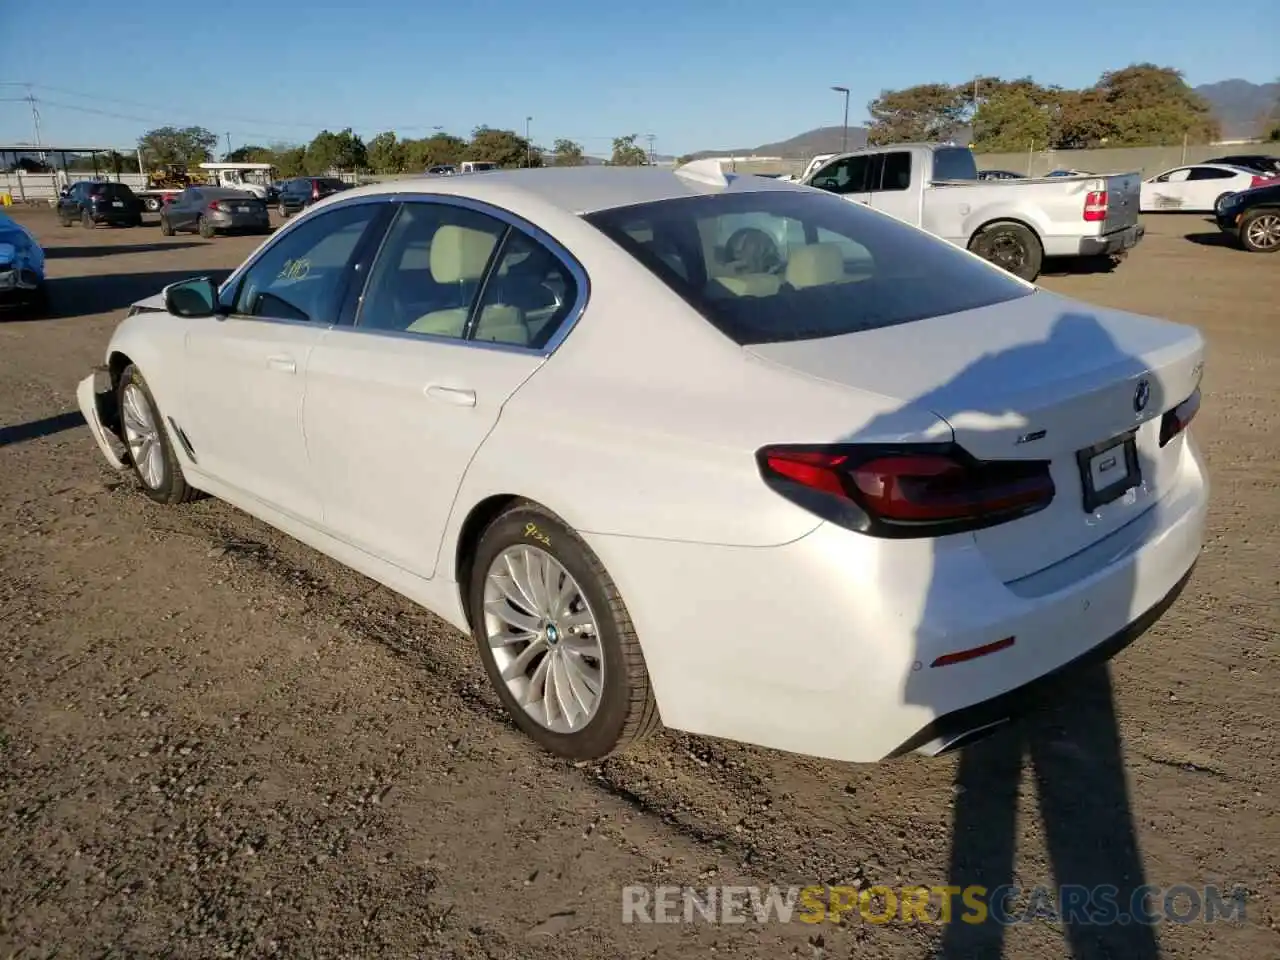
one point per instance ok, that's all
(759, 620)
(1195, 188)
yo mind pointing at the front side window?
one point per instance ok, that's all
(811, 265)
(846, 175)
(299, 277)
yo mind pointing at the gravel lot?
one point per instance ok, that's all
(215, 742)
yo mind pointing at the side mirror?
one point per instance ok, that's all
(197, 297)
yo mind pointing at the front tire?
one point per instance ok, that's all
(1010, 246)
(1260, 230)
(556, 639)
(150, 452)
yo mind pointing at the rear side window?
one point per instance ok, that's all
(1210, 173)
(776, 266)
(896, 174)
(954, 163)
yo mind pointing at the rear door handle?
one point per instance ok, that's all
(456, 395)
(283, 364)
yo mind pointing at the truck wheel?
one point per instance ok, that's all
(1010, 246)
(152, 204)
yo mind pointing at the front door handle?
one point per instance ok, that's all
(455, 395)
(283, 364)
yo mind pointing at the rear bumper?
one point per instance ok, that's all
(228, 223)
(1112, 243)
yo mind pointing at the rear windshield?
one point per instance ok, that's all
(113, 191)
(329, 183)
(776, 266)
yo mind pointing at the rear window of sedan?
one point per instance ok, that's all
(776, 266)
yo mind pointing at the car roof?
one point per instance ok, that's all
(581, 190)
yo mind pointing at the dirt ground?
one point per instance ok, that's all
(215, 742)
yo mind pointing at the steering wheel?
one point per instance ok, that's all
(755, 250)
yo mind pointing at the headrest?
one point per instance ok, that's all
(460, 253)
(814, 265)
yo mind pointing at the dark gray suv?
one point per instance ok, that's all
(300, 192)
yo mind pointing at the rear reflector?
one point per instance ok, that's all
(1177, 419)
(907, 490)
(960, 656)
(1095, 205)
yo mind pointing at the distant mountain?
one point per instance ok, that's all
(802, 147)
(1240, 106)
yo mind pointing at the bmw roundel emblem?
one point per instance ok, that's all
(1141, 395)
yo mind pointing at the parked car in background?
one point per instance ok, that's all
(442, 170)
(1257, 162)
(1197, 188)
(1000, 175)
(1013, 223)
(209, 211)
(22, 280)
(301, 192)
(1253, 218)
(92, 202)
(541, 403)
(1070, 173)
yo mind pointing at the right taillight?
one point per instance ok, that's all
(315, 191)
(1177, 419)
(1095, 205)
(214, 205)
(906, 491)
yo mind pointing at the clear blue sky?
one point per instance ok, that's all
(698, 74)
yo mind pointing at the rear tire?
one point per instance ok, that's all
(1010, 246)
(590, 635)
(86, 221)
(1260, 230)
(166, 228)
(152, 204)
(283, 211)
(205, 228)
(149, 450)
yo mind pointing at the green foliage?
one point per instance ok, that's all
(386, 153)
(341, 151)
(435, 150)
(626, 153)
(1139, 105)
(189, 145)
(568, 154)
(504, 147)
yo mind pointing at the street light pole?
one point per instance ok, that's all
(844, 137)
(528, 144)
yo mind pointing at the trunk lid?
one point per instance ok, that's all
(1037, 378)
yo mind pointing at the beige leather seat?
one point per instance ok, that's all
(814, 265)
(460, 255)
(750, 284)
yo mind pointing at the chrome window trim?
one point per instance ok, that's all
(567, 260)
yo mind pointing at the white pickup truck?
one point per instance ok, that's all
(1012, 223)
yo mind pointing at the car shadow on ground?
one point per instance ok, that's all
(1077, 266)
(1214, 238)
(44, 427)
(85, 296)
(64, 253)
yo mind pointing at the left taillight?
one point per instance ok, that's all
(1179, 418)
(1095, 206)
(906, 491)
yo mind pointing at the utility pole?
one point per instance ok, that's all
(228, 135)
(35, 115)
(844, 137)
(528, 144)
(652, 156)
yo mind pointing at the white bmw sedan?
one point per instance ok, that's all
(722, 453)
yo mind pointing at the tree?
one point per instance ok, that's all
(247, 154)
(930, 111)
(1149, 105)
(336, 151)
(626, 153)
(437, 149)
(290, 161)
(1010, 120)
(189, 145)
(386, 153)
(568, 154)
(686, 158)
(503, 147)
